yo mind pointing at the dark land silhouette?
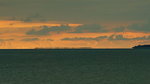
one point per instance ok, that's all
(142, 47)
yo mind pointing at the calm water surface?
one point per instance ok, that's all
(75, 66)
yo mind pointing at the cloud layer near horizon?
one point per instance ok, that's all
(111, 38)
(90, 28)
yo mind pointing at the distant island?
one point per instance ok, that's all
(141, 47)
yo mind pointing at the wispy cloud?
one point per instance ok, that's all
(121, 37)
(30, 39)
(32, 18)
(49, 40)
(119, 29)
(7, 39)
(85, 39)
(111, 38)
(136, 27)
(89, 28)
(46, 30)
(140, 27)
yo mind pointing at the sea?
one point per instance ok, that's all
(75, 66)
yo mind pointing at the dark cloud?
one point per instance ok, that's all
(31, 18)
(7, 39)
(142, 38)
(86, 39)
(49, 39)
(121, 37)
(119, 29)
(30, 39)
(62, 28)
(46, 30)
(145, 42)
(140, 27)
(89, 28)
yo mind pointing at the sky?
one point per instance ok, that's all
(28, 24)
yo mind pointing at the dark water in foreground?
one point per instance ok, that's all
(75, 66)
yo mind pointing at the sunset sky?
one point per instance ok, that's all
(26, 24)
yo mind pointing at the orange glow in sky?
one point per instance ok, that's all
(13, 35)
